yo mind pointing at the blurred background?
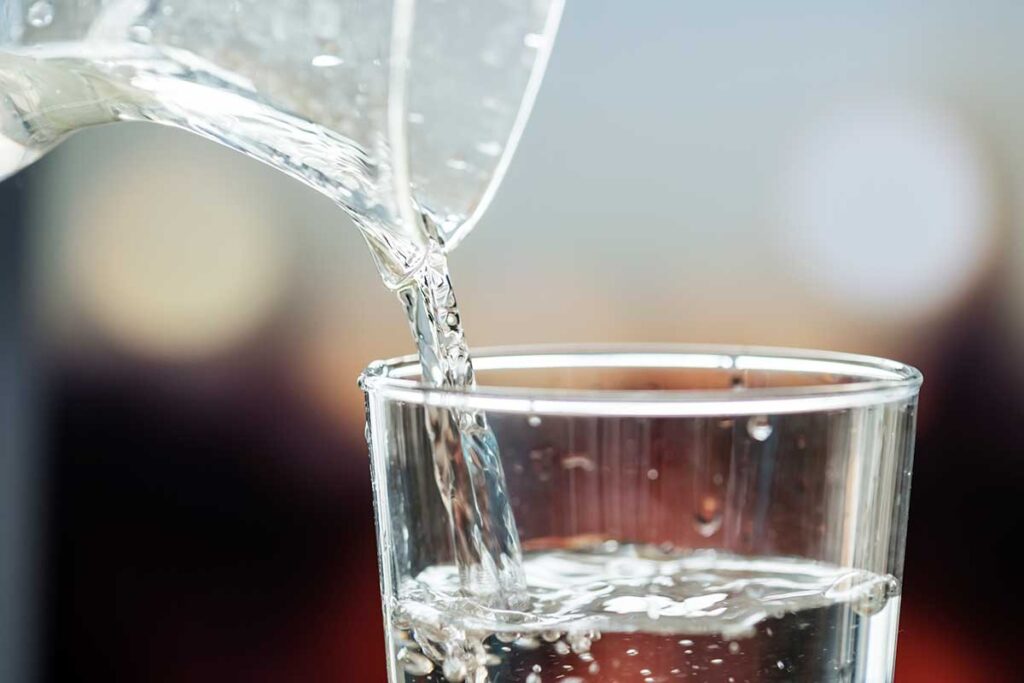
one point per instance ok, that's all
(186, 491)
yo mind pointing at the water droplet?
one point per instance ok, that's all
(327, 61)
(40, 14)
(491, 149)
(534, 421)
(652, 474)
(534, 40)
(759, 428)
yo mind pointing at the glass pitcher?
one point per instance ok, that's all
(405, 113)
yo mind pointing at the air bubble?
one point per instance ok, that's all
(580, 643)
(527, 643)
(579, 462)
(631, 652)
(454, 670)
(759, 428)
(534, 421)
(140, 34)
(40, 14)
(708, 518)
(414, 663)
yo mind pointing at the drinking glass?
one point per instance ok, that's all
(685, 513)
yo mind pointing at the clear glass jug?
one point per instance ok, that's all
(405, 113)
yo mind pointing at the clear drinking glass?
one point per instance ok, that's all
(685, 513)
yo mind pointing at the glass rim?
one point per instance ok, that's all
(872, 381)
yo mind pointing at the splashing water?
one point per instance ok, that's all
(636, 613)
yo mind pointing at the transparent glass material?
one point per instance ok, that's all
(396, 109)
(685, 513)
